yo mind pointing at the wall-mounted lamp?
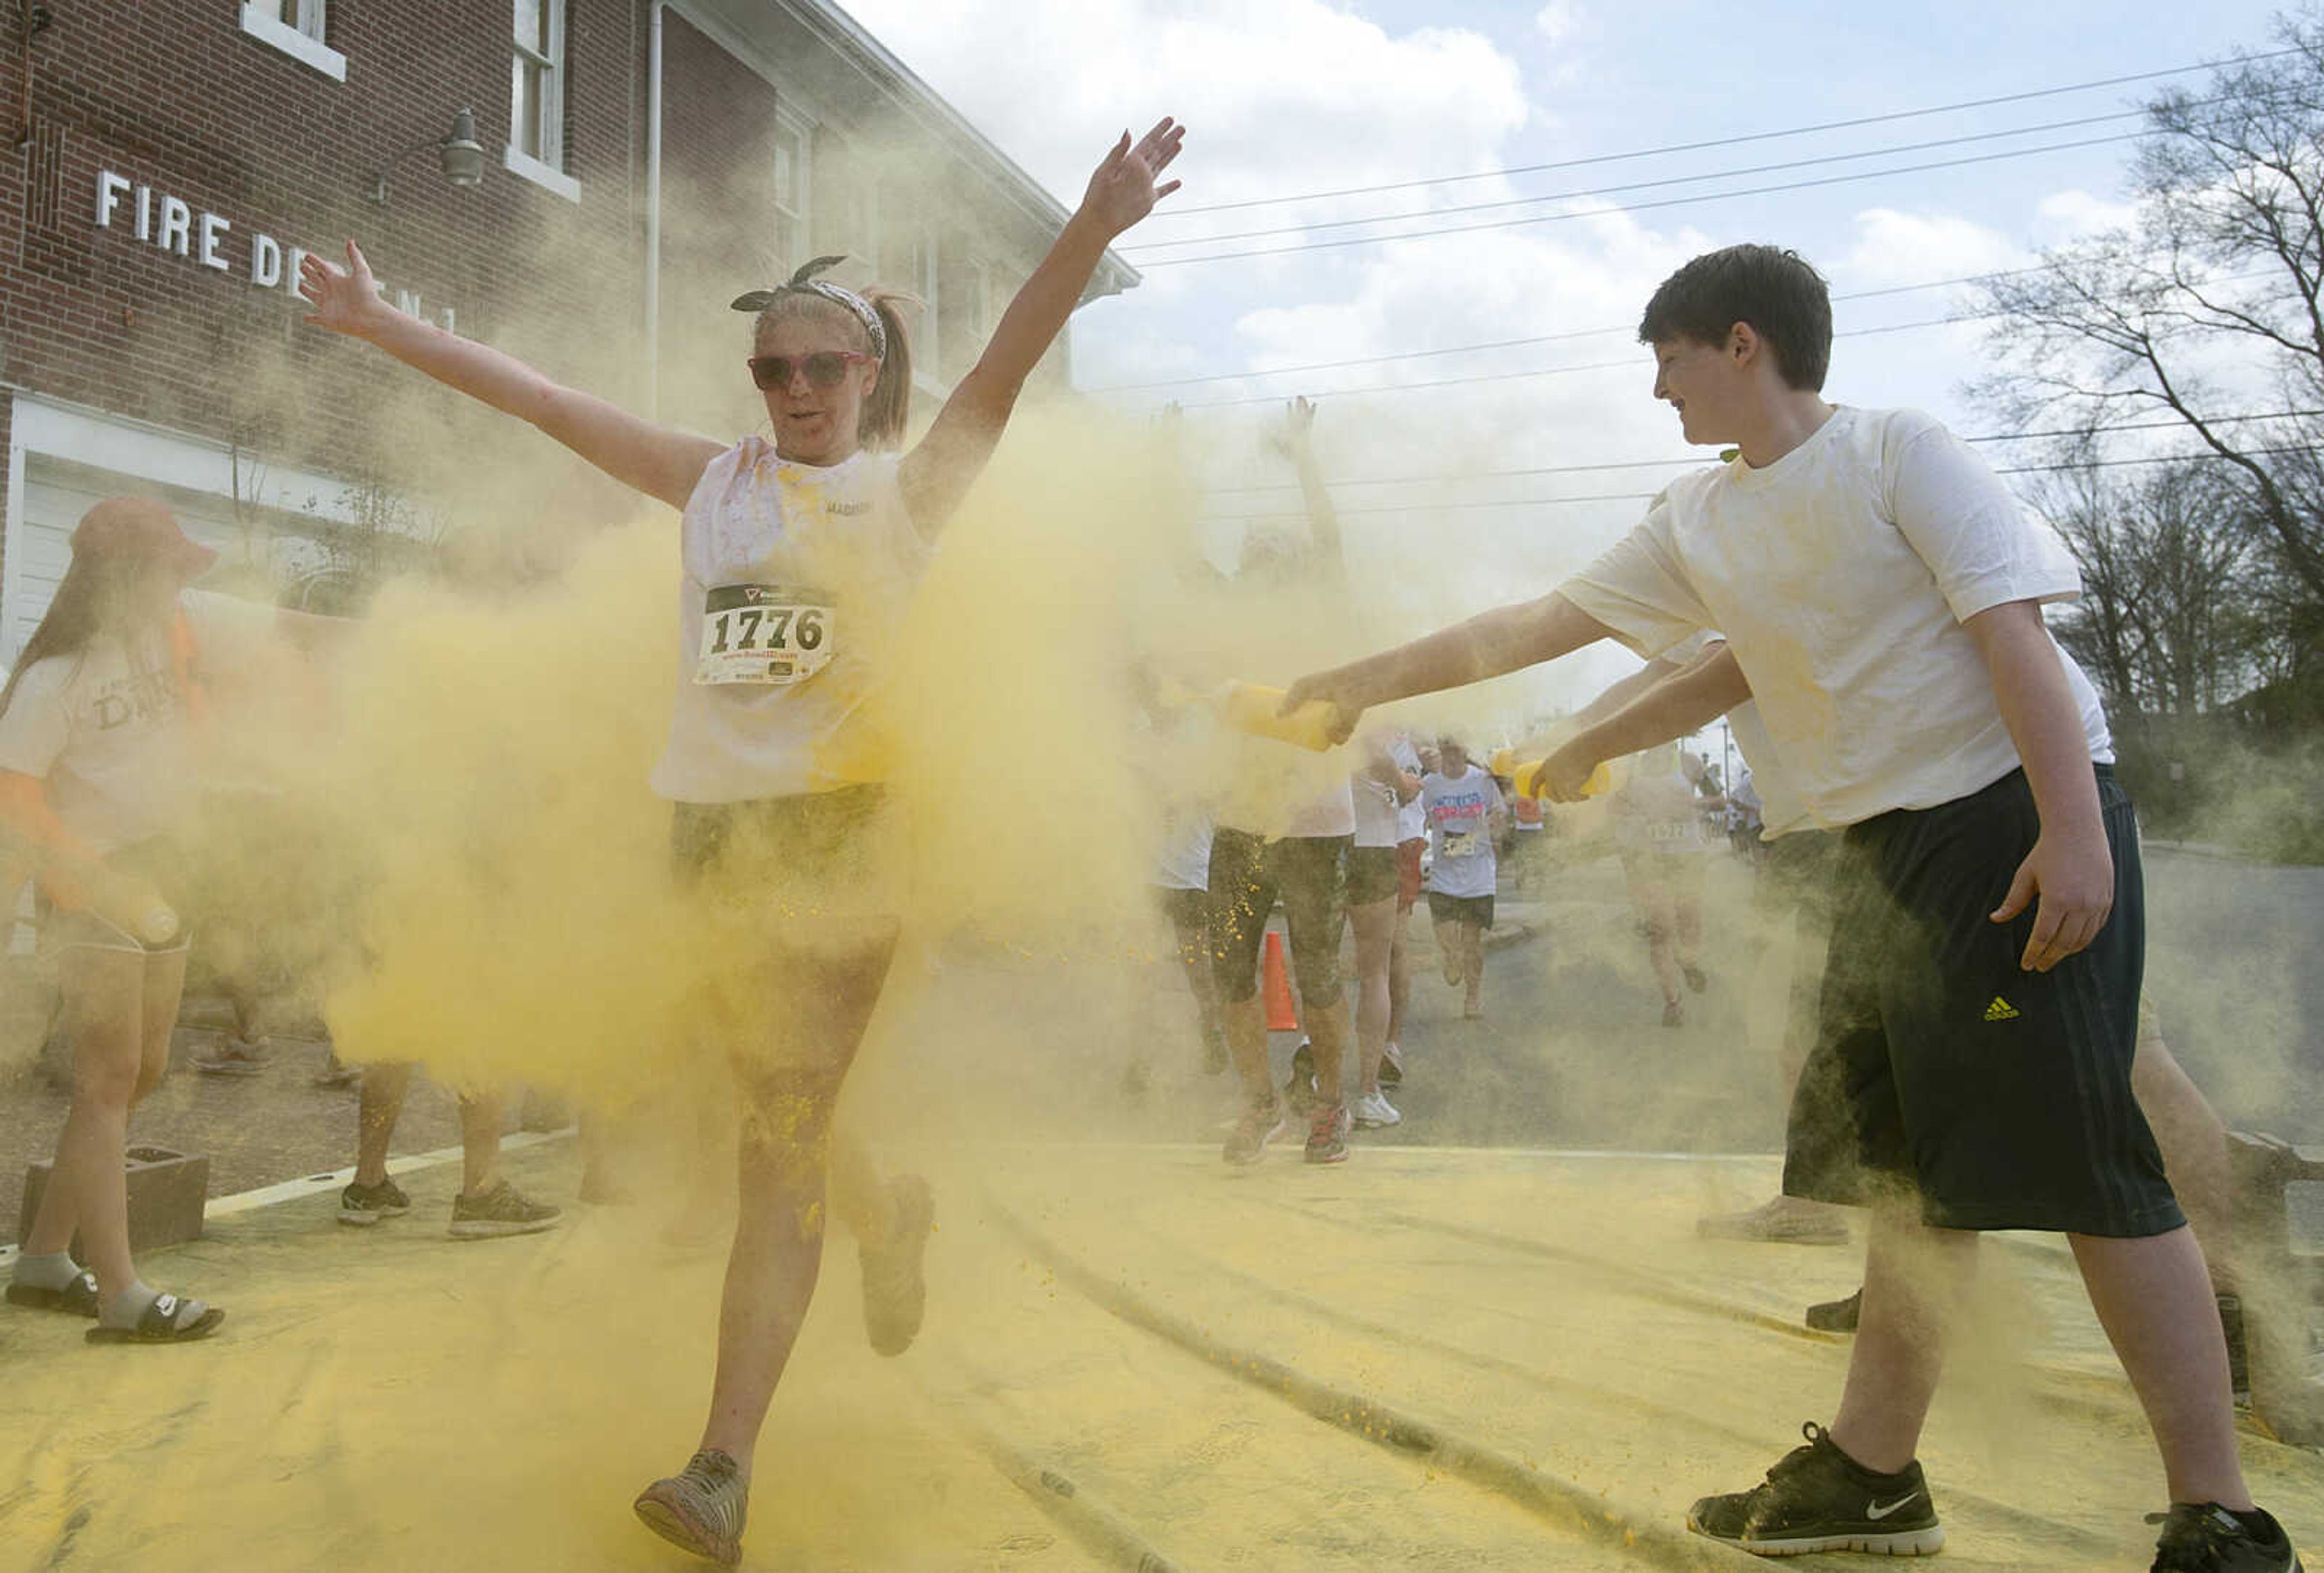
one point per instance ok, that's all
(459, 155)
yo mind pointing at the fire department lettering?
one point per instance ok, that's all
(774, 635)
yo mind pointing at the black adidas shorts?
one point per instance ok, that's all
(1999, 1098)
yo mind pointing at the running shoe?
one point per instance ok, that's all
(1836, 1316)
(1817, 1498)
(895, 1287)
(1260, 1123)
(337, 1072)
(502, 1210)
(234, 1057)
(1372, 1110)
(361, 1206)
(701, 1509)
(1674, 1014)
(1299, 1091)
(2205, 1538)
(1783, 1220)
(1695, 978)
(1391, 1072)
(1327, 1134)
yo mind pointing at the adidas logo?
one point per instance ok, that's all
(2001, 1010)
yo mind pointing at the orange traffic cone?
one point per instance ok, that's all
(1282, 1014)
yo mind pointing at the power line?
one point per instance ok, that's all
(1632, 363)
(2023, 469)
(1174, 262)
(1615, 365)
(1561, 469)
(1835, 158)
(1737, 140)
(1626, 328)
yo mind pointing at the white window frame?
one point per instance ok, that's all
(549, 171)
(303, 43)
(798, 132)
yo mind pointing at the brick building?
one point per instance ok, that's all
(642, 162)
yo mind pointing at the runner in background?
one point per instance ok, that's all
(1411, 842)
(1465, 815)
(1658, 826)
(781, 834)
(1389, 780)
(1528, 827)
(1261, 852)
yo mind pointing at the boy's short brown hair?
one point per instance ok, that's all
(1785, 302)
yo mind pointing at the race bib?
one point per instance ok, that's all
(772, 634)
(1667, 831)
(1461, 844)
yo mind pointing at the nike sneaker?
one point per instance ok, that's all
(1817, 1498)
(2205, 1538)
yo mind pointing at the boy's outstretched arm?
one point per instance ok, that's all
(1505, 640)
(2072, 867)
(1680, 705)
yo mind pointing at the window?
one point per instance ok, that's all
(535, 147)
(296, 28)
(301, 16)
(791, 176)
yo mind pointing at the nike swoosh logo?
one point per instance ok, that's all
(1876, 1512)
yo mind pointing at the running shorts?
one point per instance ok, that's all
(1247, 873)
(1477, 909)
(1997, 1098)
(1371, 874)
(814, 855)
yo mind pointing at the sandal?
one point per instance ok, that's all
(159, 1324)
(78, 1298)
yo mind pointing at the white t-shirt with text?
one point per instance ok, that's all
(108, 729)
(1460, 810)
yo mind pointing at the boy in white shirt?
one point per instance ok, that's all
(1880, 590)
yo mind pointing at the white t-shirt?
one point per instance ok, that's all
(1461, 832)
(797, 580)
(1378, 815)
(1840, 575)
(1781, 809)
(1184, 860)
(107, 727)
(1659, 813)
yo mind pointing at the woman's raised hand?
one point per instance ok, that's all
(1123, 191)
(344, 300)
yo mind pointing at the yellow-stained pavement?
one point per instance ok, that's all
(1425, 1358)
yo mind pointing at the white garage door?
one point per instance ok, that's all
(58, 492)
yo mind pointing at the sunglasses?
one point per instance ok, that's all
(825, 368)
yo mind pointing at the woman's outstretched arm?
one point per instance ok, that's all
(657, 461)
(937, 474)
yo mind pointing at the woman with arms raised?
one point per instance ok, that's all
(801, 558)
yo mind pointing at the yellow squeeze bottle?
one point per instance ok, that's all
(1252, 708)
(1527, 778)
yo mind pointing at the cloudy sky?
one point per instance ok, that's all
(1286, 98)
